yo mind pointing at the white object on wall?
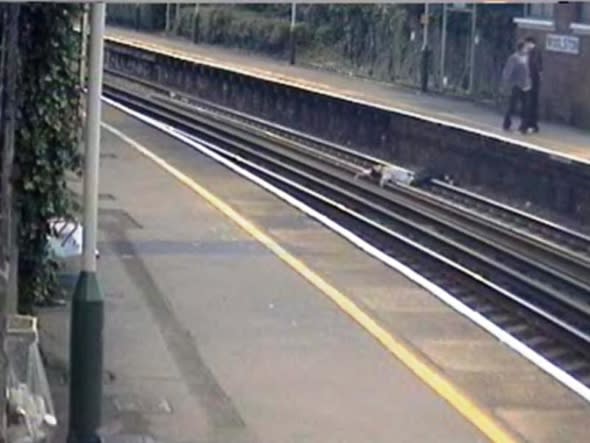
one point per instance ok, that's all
(65, 238)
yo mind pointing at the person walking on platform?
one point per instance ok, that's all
(517, 80)
(535, 69)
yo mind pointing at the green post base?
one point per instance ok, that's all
(86, 354)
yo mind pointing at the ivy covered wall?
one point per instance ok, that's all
(46, 148)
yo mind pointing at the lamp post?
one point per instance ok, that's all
(424, 62)
(292, 42)
(168, 21)
(86, 331)
(474, 42)
(443, 48)
(195, 26)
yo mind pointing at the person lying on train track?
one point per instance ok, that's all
(386, 174)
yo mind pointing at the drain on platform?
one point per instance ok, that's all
(142, 404)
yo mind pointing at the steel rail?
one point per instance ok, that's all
(568, 244)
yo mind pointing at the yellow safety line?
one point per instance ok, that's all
(429, 375)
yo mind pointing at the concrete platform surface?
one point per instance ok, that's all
(211, 338)
(562, 139)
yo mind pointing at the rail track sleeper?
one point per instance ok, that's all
(578, 367)
(553, 350)
(520, 330)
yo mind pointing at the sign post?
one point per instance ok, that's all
(473, 44)
(86, 336)
(292, 41)
(443, 48)
(424, 62)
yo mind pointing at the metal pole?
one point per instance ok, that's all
(177, 18)
(443, 48)
(95, 69)
(12, 290)
(195, 28)
(168, 7)
(11, 67)
(425, 50)
(292, 33)
(472, 54)
(83, 63)
(9, 53)
(426, 23)
(86, 336)
(137, 18)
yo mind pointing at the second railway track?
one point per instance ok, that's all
(526, 275)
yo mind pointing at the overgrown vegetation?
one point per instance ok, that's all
(381, 41)
(245, 30)
(46, 138)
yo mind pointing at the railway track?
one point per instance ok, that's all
(526, 275)
(573, 243)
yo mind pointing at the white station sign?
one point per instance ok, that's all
(567, 44)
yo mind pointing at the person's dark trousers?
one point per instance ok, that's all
(518, 99)
(534, 104)
(525, 111)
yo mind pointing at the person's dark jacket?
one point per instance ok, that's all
(535, 64)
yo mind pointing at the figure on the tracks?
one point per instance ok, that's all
(535, 60)
(516, 78)
(386, 174)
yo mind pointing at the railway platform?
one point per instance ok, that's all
(559, 139)
(233, 317)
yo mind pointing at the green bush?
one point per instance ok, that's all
(46, 138)
(364, 39)
(241, 28)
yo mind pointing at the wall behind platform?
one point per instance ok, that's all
(565, 87)
(474, 161)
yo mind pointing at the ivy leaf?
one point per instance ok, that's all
(46, 137)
